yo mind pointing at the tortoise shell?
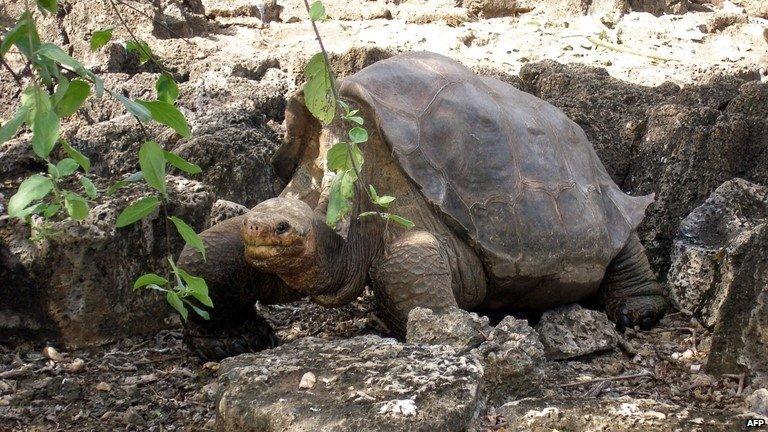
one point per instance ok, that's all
(509, 172)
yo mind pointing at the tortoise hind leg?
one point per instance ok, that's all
(234, 287)
(629, 291)
(413, 272)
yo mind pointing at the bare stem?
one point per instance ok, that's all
(136, 39)
(155, 20)
(11, 71)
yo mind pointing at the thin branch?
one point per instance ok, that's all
(336, 99)
(136, 39)
(155, 20)
(13, 74)
(645, 374)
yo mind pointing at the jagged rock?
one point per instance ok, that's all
(456, 327)
(233, 147)
(704, 258)
(363, 384)
(660, 7)
(572, 331)
(266, 11)
(76, 286)
(758, 402)
(494, 8)
(720, 274)
(223, 210)
(512, 355)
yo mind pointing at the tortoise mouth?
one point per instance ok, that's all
(266, 254)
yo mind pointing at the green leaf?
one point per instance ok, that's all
(338, 157)
(20, 35)
(58, 55)
(133, 107)
(366, 214)
(66, 167)
(73, 98)
(49, 5)
(33, 188)
(358, 135)
(149, 279)
(61, 88)
(167, 90)
(199, 311)
(338, 204)
(45, 126)
(197, 287)
(137, 211)
(399, 220)
(355, 119)
(53, 171)
(152, 163)
(182, 164)
(99, 38)
(175, 301)
(137, 176)
(9, 129)
(89, 187)
(141, 49)
(189, 235)
(385, 201)
(317, 11)
(33, 209)
(80, 158)
(318, 93)
(169, 115)
(374, 194)
(50, 210)
(76, 206)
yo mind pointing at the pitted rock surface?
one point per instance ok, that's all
(572, 331)
(720, 274)
(513, 356)
(366, 383)
(458, 328)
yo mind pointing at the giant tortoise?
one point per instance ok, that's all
(513, 211)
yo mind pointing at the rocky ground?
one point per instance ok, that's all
(154, 384)
(673, 103)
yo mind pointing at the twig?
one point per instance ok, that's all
(741, 377)
(644, 374)
(12, 72)
(13, 373)
(620, 48)
(136, 39)
(155, 20)
(597, 389)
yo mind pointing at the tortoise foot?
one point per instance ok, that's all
(218, 342)
(643, 311)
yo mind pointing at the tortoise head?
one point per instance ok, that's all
(278, 235)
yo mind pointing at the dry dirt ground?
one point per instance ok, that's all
(155, 384)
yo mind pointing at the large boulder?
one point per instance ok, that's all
(719, 274)
(361, 384)
(458, 328)
(74, 286)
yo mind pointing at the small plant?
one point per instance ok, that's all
(58, 86)
(344, 159)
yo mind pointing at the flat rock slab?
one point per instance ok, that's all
(572, 331)
(366, 383)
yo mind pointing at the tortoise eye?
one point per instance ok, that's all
(282, 227)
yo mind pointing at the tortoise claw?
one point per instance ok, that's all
(643, 312)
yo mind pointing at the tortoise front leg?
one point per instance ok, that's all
(629, 290)
(413, 272)
(234, 287)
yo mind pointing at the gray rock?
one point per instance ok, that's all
(572, 331)
(456, 327)
(513, 356)
(76, 286)
(223, 210)
(362, 384)
(757, 402)
(719, 274)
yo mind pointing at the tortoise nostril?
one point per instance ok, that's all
(282, 227)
